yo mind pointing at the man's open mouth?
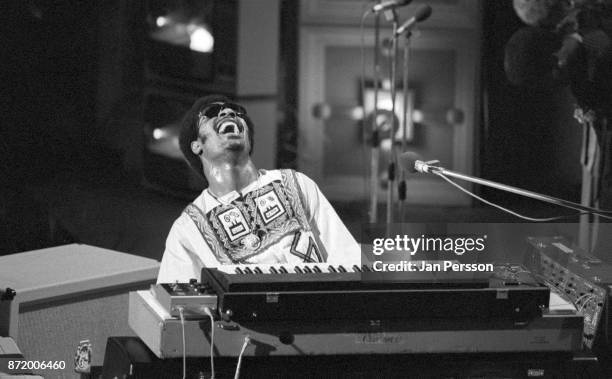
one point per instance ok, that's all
(229, 126)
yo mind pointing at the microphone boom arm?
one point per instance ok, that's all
(426, 167)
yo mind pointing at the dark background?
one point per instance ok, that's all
(72, 143)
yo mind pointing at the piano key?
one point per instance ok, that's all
(298, 270)
(341, 268)
(267, 269)
(356, 268)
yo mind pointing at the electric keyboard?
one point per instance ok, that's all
(302, 268)
(323, 276)
(323, 291)
(162, 333)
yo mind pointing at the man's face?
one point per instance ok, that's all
(222, 130)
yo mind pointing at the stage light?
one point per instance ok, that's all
(159, 133)
(417, 116)
(161, 21)
(201, 40)
(357, 113)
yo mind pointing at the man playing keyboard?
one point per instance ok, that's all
(246, 215)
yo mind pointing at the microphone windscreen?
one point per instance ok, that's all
(544, 13)
(590, 72)
(597, 42)
(390, 4)
(529, 56)
(422, 13)
(407, 161)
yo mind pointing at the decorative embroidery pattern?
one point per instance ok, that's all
(269, 206)
(234, 223)
(290, 183)
(205, 229)
(312, 252)
(248, 225)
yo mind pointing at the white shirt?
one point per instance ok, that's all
(187, 252)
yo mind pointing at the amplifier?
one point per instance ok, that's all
(66, 294)
(583, 279)
(552, 331)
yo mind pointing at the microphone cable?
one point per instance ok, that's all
(208, 311)
(182, 316)
(527, 218)
(247, 340)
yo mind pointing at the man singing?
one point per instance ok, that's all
(246, 215)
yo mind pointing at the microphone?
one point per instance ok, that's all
(421, 14)
(412, 162)
(407, 161)
(389, 4)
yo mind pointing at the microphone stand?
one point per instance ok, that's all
(426, 167)
(591, 160)
(401, 188)
(375, 144)
(393, 152)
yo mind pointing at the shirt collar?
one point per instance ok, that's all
(210, 202)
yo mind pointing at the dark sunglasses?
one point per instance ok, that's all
(214, 109)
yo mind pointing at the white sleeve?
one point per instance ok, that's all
(340, 245)
(180, 261)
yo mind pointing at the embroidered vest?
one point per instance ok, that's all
(249, 225)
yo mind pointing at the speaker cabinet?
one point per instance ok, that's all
(68, 294)
(130, 358)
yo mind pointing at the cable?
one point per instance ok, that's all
(534, 219)
(585, 302)
(247, 340)
(182, 316)
(208, 311)
(548, 283)
(606, 314)
(564, 203)
(588, 300)
(580, 298)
